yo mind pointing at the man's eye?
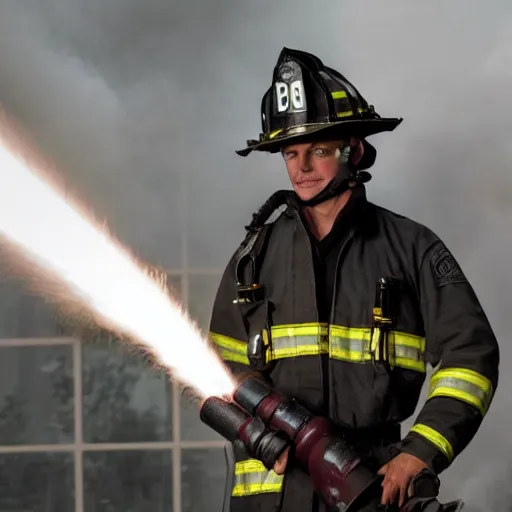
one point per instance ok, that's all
(288, 156)
(322, 152)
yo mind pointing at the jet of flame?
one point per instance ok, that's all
(109, 281)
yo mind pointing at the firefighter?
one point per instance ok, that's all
(341, 304)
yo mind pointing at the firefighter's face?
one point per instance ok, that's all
(311, 166)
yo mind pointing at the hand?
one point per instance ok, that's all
(398, 473)
(280, 464)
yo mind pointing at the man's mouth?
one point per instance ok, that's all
(307, 183)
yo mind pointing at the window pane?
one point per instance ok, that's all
(192, 428)
(202, 295)
(37, 482)
(203, 475)
(36, 395)
(125, 399)
(24, 314)
(128, 481)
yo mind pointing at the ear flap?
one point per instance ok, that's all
(369, 157)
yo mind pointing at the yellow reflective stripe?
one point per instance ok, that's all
(227, 355)
(252, 477)
(275, 133)
(407, 351)
(350, 333)
(228, 343)
(463, 384)
(374, 345)
(309, 339)
(351, 344)
(307, 329)
(350, 112)
(230, 349)
(410, 364)
(408, 340)
(338, 95)
(437, 439)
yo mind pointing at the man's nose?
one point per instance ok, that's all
(305, 163)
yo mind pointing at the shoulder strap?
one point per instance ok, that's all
(252, 248)
(250, 254)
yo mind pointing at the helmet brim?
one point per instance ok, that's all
(360, 128)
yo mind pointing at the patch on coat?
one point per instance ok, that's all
(445, 268)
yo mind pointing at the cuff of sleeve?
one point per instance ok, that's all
(426, 451)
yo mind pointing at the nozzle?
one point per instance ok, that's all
(234, 424)
(226, 419)
(336, 471)
(278, 412)
(250, 393)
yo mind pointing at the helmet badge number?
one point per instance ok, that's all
(290, 97)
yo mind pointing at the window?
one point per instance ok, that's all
(90, 426)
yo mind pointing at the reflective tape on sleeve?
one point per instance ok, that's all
(252, 477)
(437, 439)
(462, 384)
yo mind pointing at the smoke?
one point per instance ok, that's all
(488, 487)
(142, 105)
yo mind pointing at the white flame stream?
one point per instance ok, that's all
(102, 274)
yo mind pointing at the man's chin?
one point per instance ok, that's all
(306, 194)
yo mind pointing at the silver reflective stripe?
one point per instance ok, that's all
(462, 384)
(353, 349)
(481, 398)
(291, 342)
(407, 352)
(351, 344)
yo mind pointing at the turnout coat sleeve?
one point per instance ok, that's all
(228, 333)
(463, 350)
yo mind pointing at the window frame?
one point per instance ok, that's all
(79, 447)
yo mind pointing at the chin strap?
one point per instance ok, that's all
(341, 182)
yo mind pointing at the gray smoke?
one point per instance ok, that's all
(142, 104)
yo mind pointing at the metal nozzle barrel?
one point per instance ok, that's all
(234, 424)
(277, 411)
(225, 418)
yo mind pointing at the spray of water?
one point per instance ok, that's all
(58, 238)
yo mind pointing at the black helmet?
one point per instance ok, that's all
(308, 99)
